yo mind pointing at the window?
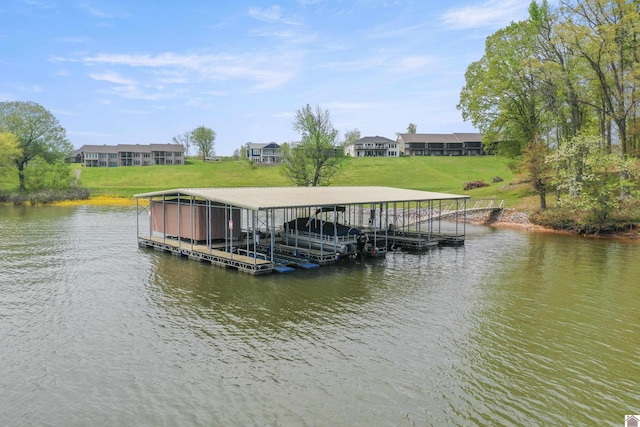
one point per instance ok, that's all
(136, 154)
(168, 162)
(102, 155)
(146, 155)
(136, 162)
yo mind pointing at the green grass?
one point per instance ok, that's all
(441, 174)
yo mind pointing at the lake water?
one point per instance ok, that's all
(514, 328)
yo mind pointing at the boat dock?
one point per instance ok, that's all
(280, 229)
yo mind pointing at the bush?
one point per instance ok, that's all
(44, 197)
(586, 222)
(475, 184)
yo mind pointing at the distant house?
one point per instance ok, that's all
(270, 153)
(433, 144)
(373, 146)
(131, 155)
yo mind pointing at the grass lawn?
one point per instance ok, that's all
(441, 174)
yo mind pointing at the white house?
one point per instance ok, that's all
(264, 153)
(373, 146)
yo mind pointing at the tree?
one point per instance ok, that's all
(589, 177)
(203, 138)
(185, 140)
(38, 133)
(606, 35)
(351, 136)
(538, 169)
(316, 158)
(502, 95)
(9, 152)
(411, 128)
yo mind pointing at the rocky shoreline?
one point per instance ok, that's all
(513, 218)
(509, 216)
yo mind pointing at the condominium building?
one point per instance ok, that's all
(130, 155)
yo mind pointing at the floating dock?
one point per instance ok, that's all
(261, 230)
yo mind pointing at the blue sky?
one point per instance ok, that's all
(115, 71)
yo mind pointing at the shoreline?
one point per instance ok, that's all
(517, 219)
(505, 218)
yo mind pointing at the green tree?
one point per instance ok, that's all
(9, 152)
(412, 128)
(203, 138)
(316, 158)
(537, 166)
(589, 178)
(605, 34)
(502, 95)
(38, 132)
(41, 175)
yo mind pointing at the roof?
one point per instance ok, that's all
(440, 137)
(374, 139)
(131, 147)
(260, 198)
(268, 145)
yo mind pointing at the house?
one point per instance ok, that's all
(131, 155)
(373, 146)
(433, 144)
(270, 153)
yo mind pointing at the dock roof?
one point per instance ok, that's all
(261, 198)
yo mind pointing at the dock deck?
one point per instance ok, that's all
(217, 257)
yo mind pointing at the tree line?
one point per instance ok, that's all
(559, 91)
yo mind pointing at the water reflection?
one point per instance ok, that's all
(511, 329)
(554, 334)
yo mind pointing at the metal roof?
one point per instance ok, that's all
(260, 198)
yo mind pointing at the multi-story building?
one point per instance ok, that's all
(373, 146)
(264, 153)
(432, 144)
(130, 155)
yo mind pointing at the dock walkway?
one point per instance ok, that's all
(203, 253)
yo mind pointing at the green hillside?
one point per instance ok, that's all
(442, 174)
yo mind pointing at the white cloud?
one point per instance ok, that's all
(100, 13)
(112, 77)
(489, 13)
(265, 70)
(272, 15)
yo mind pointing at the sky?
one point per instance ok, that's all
(141, 72)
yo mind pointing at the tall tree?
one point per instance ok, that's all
(203, 138)
(38, 133)
(538, 169)
(185, 140)
(412, 128)
(502, 94)
(606, 35)
(315, 159)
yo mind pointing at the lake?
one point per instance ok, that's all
(513, 328)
